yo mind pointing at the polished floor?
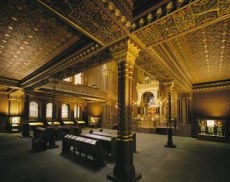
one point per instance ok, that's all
(192, 161)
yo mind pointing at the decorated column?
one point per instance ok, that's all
(124, 169)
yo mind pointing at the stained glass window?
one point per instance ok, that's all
(65, 111)
(33, 110)
(49, 110)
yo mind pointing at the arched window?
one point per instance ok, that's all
(65, 111)
(68, 79)
(33, 110)
(49, 110)
(78, 79)
(77, 111)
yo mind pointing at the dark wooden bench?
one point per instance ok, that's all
(43, 137)
(39, 142)
(113, 133)
(84, 145)
(63, 130)
(108, 143)
(75, 130)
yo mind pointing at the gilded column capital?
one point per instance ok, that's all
(126, 50)
(132, 53)
(169, 84)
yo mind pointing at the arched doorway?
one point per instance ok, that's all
(147, 101)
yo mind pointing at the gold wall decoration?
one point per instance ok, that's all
(211, 103)
(174, 103)
(198, 14)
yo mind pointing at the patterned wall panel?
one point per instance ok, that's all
(174, 104)
(211, 103)
(29, 38)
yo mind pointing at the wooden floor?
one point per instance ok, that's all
(192, 161)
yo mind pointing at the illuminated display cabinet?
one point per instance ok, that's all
(211, 129)
(14, 123)
(95, 121)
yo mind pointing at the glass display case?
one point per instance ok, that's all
(14, 123)
(211, 129)
(54, 123)
(68, 122)
(34, 124)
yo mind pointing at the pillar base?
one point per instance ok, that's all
(170, 139)
(52, 147)
(170, 146)
(25, 130)
(111, 177)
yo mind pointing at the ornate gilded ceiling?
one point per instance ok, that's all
(89, 17)
(203, 55)
(201, 58)
(181, 40)
(29, 38)
(199, 13)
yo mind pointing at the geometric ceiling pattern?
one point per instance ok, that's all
(87, 15)
(29, 38)
(197, 14)
(205, 53)
(189, 46)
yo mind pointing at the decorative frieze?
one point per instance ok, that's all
(82, 90)
(161, 25)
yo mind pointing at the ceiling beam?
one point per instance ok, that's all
(69, 22)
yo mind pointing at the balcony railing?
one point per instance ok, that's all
(82, 90)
